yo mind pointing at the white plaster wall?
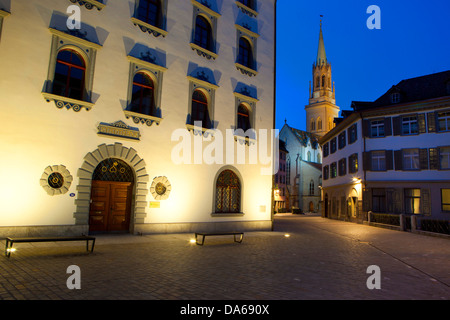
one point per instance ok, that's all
(35, 134)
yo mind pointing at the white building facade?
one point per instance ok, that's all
(392, 156)
(120, 123)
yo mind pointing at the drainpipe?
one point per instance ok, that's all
(364, 151)
(272, 209)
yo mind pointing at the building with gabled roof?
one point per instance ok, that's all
(392, 155)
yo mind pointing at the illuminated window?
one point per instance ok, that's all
(353, 163)
(228, 193)
(71, 70)
(69, 76)
(246, 50)
(200, 109)
(243, 118)
(142, 99)
(412, 201)
(445, 199)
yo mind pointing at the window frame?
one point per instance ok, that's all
(352, 135)
(247, 136)
(412, 198)
(413, 159)
(88, 51)
(442, 200)
(381, 161)
(145, 26)
(440, 157)
(211, 18)
(209, 90)
(155, 72)
(446, 118)
(238, 211)
(353, 163)
(377, 124)
(251, 37)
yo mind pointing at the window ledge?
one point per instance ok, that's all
(146, 27)
(246, 10)
(68, 103)
(89, 4)
(225, 214)
(199, 130)
(204, 52)
(142, 118)
(4, 13)
(244, 140)
(245, 70)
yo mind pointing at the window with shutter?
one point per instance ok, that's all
(398, 160)
(433, 154)
(411, 159)
(445, 199)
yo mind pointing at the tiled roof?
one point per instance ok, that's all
(415, 89)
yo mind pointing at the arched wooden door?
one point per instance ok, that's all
(111, 193)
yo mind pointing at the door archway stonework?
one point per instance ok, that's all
(91, 161)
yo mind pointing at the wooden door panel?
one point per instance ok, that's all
(99, 208)
(119, 215)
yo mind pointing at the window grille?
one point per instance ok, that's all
(113, 170)
(228, 193)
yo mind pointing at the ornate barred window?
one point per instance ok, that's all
(228, 193)
(90, 4)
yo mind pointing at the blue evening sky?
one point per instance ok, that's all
(414, 40)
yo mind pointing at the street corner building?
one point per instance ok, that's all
(101, 99)
(391, 157)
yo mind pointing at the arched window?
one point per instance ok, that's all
(200, 109)
(309, 156)
(203, 33)
(311, 188)
(70, 74)
(149, 11)
(313, 125)
(317, 82)
(319, 124)
(228, 193)
(245, 53)
(323, 81)
(319, 160)
(243, 117)
(142, 99)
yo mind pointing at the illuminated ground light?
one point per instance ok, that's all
(193, 241)
(11, 250)
(287, 235)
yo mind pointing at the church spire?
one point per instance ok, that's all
(321, 55)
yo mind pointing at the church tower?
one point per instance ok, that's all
(322, 109)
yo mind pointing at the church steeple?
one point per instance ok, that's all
(322, 109)
(321, 54)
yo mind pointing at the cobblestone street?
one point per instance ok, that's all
(321, 259)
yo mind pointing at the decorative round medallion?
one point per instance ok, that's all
(160, 188)
(56, 180)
